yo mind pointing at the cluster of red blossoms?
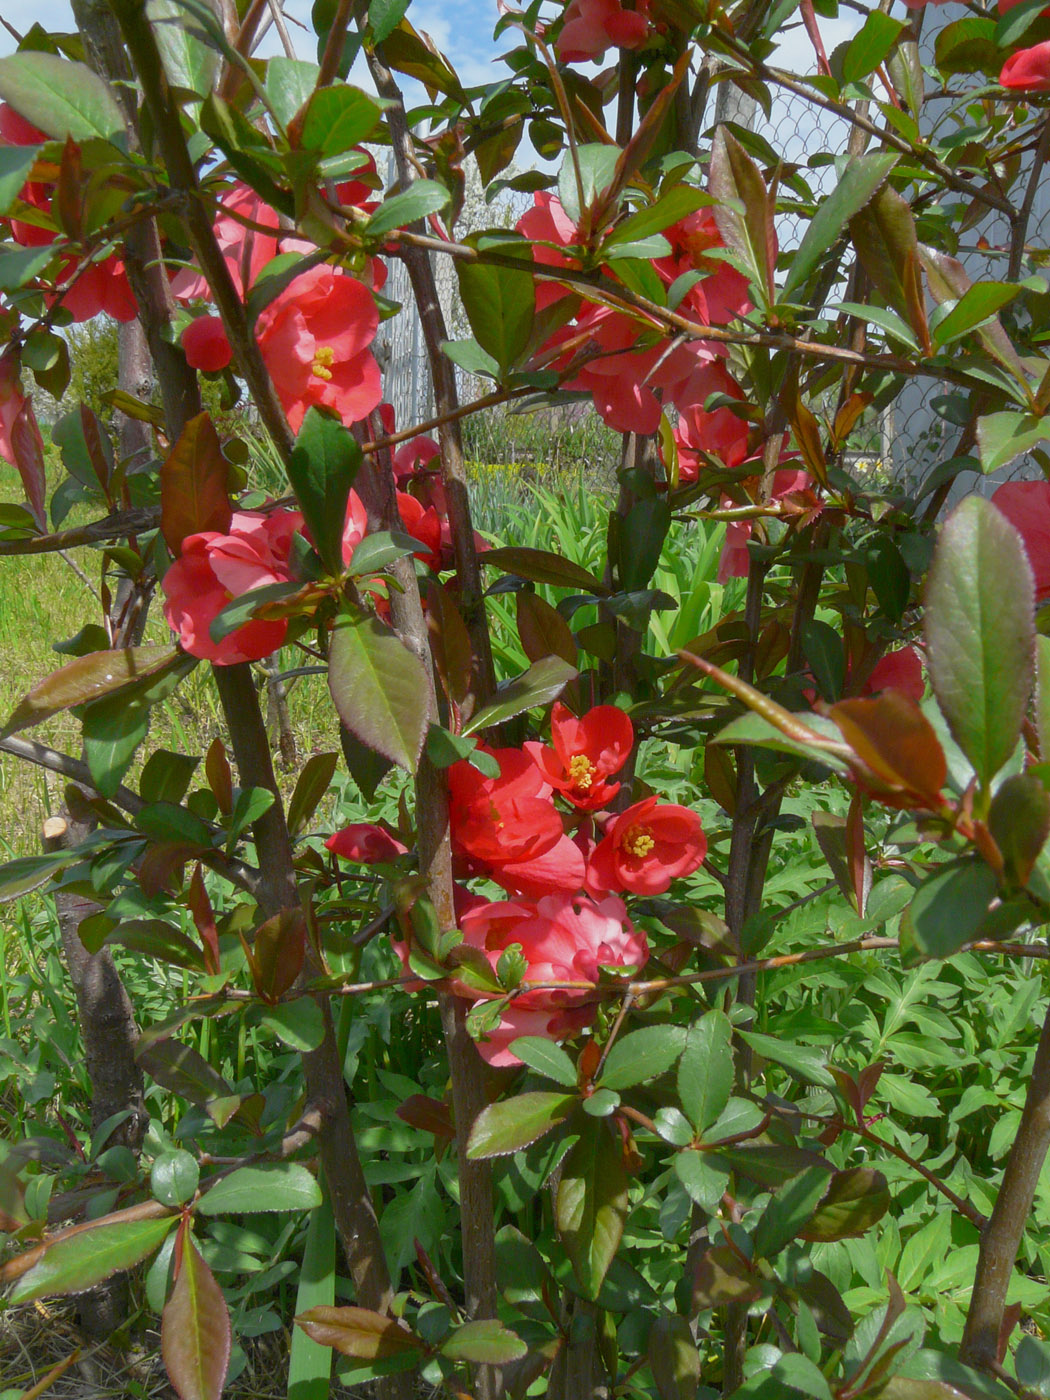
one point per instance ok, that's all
(542, 832)
(254, 552)
(1027, 70)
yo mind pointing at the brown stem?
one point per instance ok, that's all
(446, 397)
(1001, 1238)
(476, 1205)
(113, 527)
(1019, 231)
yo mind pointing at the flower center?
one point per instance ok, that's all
(581, 771)
(637, 841)
(324, 356)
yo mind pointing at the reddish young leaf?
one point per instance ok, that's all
(894, 739)
(542, 629)
(195, 1334)
(736, 180)
(277, 957)
(193, 494)
(204, 919)
(359, 1332)
(857, 855)
(220, 778)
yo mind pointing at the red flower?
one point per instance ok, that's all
(245, 250)
(719, 433)
(1028, 70)
(204, 341)
(563, 939)
(735, 559)
(646, 847)
(1026, 504)
(20, 440)
(592, 26)
(366, 843)
(214, 569)
(584, 753)
(505, 819)
(314, 338)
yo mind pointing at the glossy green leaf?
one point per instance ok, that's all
(80, 1261)
(863, 175)
(539, 566)
(512, 1124)
(500, 303)
(543, 682)
(591, 1204)
(338, 117)
(950, 906)
(744, 213)
(546, 1058)
(673, 1357)
(705, 1071)
(643, 1055)
(379, 687)
(289, 83)
(977, 305)
(195, 1333)
(1019, 820)
(703, 1176)
(61, 97)
(789, 1210)
(871, 46)
(322, 469)
(189, 61)
(423, 197)
(299, 1024)
(310, 787)
(980, 632)
(486, 1343)
(242, 609)
(853, 1202)
(174, 1177)
(1003, 437)
(15, 164)
(384, 16)
(276, 1186)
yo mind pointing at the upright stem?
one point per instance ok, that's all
(1001, 1238)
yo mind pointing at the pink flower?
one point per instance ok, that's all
(100, 287)
(563, 939)
(646, 847)
(245, 250)
(720, 433)
(584, 753)
(204, 341)
(1026, 504)
(1028, 70)
(366, 843)
(315, 339)
(214, 569)
(592, 26)
(355, 527)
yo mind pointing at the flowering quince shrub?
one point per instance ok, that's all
(640, 993)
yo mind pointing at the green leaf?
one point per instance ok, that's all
(338, 117)
(166, 776)
(195, 1332)
(641, 540)
(299, 1024)
(80, 1261)
(976, 306)
(310, 1364)
(1032, 1363)
(87, 678)
(966, 45)
(1003, 437)
(384, 16)
(673, 1357)
(950, 906)
(539, 566)
(705, 1071)
(543, 682)
(17, 267)
(183, 1070)
(322, 469)
(980, 632)
(644, 1054)
(174, 1178)
(1017, 21)
(704, 1177)
(15, 164)
(591, 1204)
(546, 1058)
(500, 303)
(863, 175)
(60, 97)
(165, 821)
(310, 787)
(789, 1210)
(115, 725)
(854, 1201)
(375, 552)
(801, 1061)
(678, 203)
(242, 609)
(379, 687)
(484, 1343)
(468, 355)
(1019, 820)
(189, 61)
(506, 1127)
(882, 317)
(1042, 694)
(249, 805)
(870, 47)
(826, 655)
(423, 197)
(597, 170)
(744, 213)
(289, 84)
(276, 1186)
(791, 1374)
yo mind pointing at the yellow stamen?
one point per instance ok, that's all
(581, 771)
(324, 356)
(637, 841)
